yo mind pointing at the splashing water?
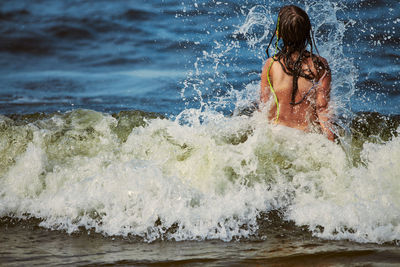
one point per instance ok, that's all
(166, 180)
(205, 175)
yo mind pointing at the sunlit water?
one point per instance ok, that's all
(196, 163)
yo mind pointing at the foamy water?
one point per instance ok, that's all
(204, 174)
(180, 182)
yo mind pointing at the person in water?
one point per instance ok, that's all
(298, 81)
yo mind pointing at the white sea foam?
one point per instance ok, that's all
(202, 182)
(202, 175)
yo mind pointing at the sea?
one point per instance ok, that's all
(131, 134)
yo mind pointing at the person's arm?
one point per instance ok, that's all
(265, 90)
(323, 112)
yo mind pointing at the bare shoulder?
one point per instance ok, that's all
(324, 62)
(268, 62)
(324, 77)
(267, 69)
(265, 81)
(322, 67)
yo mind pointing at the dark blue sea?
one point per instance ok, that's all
(130, 135)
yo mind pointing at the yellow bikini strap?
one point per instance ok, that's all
(269, 69)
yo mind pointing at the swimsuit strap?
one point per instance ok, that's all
(272, 89)
(312, 87)
(305, 95)
(269, 69)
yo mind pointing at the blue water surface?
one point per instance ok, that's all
(165, 56)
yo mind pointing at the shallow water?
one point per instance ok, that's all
(125, 180)
(25, 243)
(129, 136)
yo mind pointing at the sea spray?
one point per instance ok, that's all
(163, 174)
(204, 174)
(208, 87)
(213, 180)
(361, 204)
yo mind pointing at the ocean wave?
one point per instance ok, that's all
(139, 174)
(6, 16)
(28, 43)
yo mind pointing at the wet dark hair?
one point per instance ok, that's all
(296, 33)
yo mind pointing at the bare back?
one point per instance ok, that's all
(313, 97)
